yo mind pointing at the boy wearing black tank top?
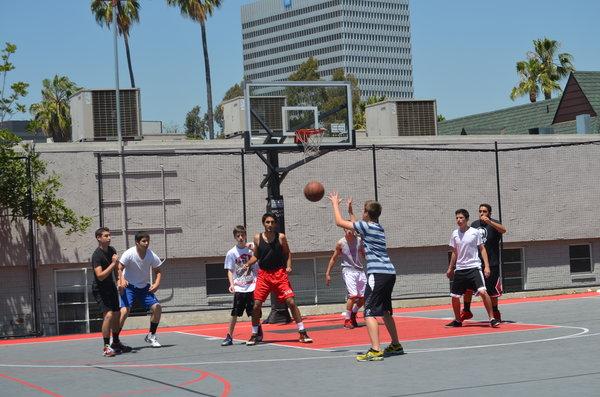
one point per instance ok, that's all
(275, 262)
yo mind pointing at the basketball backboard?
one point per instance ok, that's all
(275, 111)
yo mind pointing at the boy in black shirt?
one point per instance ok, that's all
(104, 289)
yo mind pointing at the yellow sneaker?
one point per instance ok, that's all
(371, 355)
(394, 349)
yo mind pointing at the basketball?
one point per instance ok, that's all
(314, 191)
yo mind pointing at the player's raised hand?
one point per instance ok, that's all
(350, 210)
(115, 258)
(334, 197)
(327, 280)
(485, 219)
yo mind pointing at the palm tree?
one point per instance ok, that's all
(199, 10)
(127, 14)
(529, 77)
(52, 115)
(545, 51)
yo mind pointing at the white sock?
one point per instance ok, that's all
(347, 315)
(354, 309)
(255, 329)
(300, 326)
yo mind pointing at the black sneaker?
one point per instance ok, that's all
(304, 338)
(454, 324)
(259, 335)
(253, 340)
(228, 341)
(121, 348)
(494, 323)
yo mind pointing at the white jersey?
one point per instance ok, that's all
(351, 256)
(137, 270)
(235, 260)
(466, 245)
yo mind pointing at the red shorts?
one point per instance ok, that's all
(273, 281)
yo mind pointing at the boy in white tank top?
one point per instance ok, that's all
(351, 252)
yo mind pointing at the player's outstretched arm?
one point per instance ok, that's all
(157, 278)
(254, 258)
(337, 214)
(351, 210)
(452, 265)
(332, 260)
(486, 263)
(285, 248)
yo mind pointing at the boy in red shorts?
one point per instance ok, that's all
(274, 258)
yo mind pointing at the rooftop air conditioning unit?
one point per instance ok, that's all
(94, 115)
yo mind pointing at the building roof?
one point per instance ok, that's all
(520, 119)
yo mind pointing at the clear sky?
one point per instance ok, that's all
(464, 51)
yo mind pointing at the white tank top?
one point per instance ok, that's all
(351, 254)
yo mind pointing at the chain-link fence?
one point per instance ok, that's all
(189, 201)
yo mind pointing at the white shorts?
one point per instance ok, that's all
(355, 280)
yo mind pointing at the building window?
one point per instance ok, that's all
(216, 279)
(580, 258)
(512, 270)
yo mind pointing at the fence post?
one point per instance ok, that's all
(34, 278)
(100, 193)
(499, 202)
(375, 173)
(243, 186)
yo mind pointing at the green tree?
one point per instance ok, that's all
(339, 75)
(196, 125)
(307, 71)
(127, 15)
(233, 92)
(17, 179)
(199, 11)
(52, 115)
(529, 78)
(440, 117)
(554, 67)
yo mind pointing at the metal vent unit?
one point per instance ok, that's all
(412, 117)
(93, 114)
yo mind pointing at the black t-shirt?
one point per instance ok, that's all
(103, 259)
(491, 239)
(270, 255)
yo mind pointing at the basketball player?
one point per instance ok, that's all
(465, 267)
(491, 232)
(134, 282)
(275, 262)
(381, 276)
(351, 251)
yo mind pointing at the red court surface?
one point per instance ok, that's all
(327, 331)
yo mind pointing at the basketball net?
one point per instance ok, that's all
(311, 139)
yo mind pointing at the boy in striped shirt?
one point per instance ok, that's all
(381, 276)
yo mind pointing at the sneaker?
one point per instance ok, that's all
(454, 324)
(371, 355)
(394, 349)
(348, 324)
(353, 319)
(120, 348)
(108, 351)
(465, 315)
(253, 340)
(259, 335)
(497, 315)
(494, 323)
(228, 341)
(152, 339)
(304, 338)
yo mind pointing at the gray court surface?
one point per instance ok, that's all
(554, 361)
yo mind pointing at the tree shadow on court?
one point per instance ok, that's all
(138, 348)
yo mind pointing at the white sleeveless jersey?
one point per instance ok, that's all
(351, 254)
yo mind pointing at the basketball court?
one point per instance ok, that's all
(546, 347)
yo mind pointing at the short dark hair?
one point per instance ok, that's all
(269, 215)
(489, 207)
(101, 230)
(463, 212)
(373, 208)
(239, 229)
(140, 235)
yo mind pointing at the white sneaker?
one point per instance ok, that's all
(152, 339)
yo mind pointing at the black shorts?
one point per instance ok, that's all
(493, 283)
(466, 279)
(378, 294)
(108, 300)
(242, 301)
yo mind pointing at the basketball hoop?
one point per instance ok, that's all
(311, 139)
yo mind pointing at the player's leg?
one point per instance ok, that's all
(478, 282)
(107, 321)
(466, 313)
(373, 308)
(457, 289)
(350, 284)
(228, 341)
(125, 301)
(152, 303)
(493, 285)
(361, 282)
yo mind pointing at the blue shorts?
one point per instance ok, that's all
(133, 294)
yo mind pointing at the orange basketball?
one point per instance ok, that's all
(314, 191)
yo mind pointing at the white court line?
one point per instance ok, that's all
(581, 334)
(267, 343)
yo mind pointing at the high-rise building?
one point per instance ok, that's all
(367, 38)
